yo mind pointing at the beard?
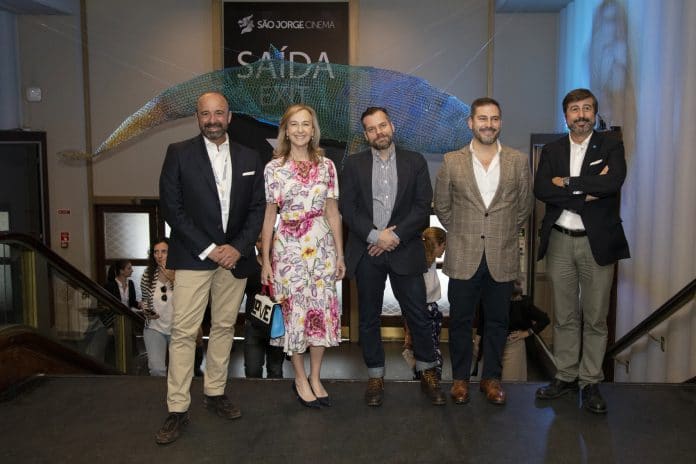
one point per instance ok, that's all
(577, 129)
(213, 131)
(486, 138)
(381, 143)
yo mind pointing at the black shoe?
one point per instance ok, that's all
(556, 389)
(324, 401)
(430, 384)
(222, 406)
(171, 430)
(314, 404)
(592, 400)
(375, 391)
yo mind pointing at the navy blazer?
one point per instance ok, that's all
(112, 287)
(410, 215)
(600, 217)
(190, 204)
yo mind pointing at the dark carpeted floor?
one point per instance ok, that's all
(100, 420)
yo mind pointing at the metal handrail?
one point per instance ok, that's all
(653, 320)
(72, 273)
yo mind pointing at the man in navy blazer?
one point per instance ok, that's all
(211, 194)
(385, 201)
(579, 178)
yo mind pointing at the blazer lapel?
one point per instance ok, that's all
(470, 177)
(591, 153)
(564, 158)
(204, 165)
(366, 179)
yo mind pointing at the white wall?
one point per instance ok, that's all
(50, 58)
(138, 49)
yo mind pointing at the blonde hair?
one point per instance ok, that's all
(432, 237)
(282, 150)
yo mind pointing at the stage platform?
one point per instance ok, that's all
(100, 420)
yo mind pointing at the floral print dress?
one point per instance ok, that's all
(304, 253)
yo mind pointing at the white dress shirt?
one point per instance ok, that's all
(487, 180)
(569, 219)
(221, 161)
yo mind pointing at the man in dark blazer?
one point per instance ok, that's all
(385, 201)
(211, 194)
(579, 178)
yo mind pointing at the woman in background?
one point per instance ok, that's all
(157, 287)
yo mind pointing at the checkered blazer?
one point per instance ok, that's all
(471, 228)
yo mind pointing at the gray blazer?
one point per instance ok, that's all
(471, 227)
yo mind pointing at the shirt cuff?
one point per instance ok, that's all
(373, 236)
(206, 252)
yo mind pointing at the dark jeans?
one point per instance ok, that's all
(409, 290)
(257, 351)
(494, 297)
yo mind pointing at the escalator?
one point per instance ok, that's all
(49, 314)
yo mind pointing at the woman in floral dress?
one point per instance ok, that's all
(305, 259)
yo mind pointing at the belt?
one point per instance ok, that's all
(572, 233)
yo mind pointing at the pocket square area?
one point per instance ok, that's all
(596, 162)
(249, 173)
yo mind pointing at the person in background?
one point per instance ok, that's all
(525, 320)
(157, 289)
(118, 283)
(434, 240)
(257, 350)
(304, 260)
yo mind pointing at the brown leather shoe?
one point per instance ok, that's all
(222, 406)
(460, 391)
(375, 391)
(430, 384)
(493, 390)
(171, 430)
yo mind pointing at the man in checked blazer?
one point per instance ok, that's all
(211, 194)
(579, 178)
(482, 197)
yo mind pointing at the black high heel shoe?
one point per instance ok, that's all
(323, 400)
(314, 404)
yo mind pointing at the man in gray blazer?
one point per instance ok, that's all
(482, 197)
(211, 194)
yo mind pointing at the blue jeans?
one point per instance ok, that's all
(409, 290)
(156, 345)
(464, 296)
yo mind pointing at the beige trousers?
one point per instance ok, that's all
(581, 291)
(515, 361)
(192, 290)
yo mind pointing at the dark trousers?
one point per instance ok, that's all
(494, 297)
(409, 290)
(257, 351)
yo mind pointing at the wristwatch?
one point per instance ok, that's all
(566, 181)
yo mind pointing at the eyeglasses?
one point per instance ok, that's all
(163, 289)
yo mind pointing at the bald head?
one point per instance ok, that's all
(213, 114)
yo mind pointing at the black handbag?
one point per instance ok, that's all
(267, 315)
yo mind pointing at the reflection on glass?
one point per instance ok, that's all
(126, 235)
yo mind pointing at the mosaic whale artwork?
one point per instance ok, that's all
(426, 119)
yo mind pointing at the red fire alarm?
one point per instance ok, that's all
(64, 239)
